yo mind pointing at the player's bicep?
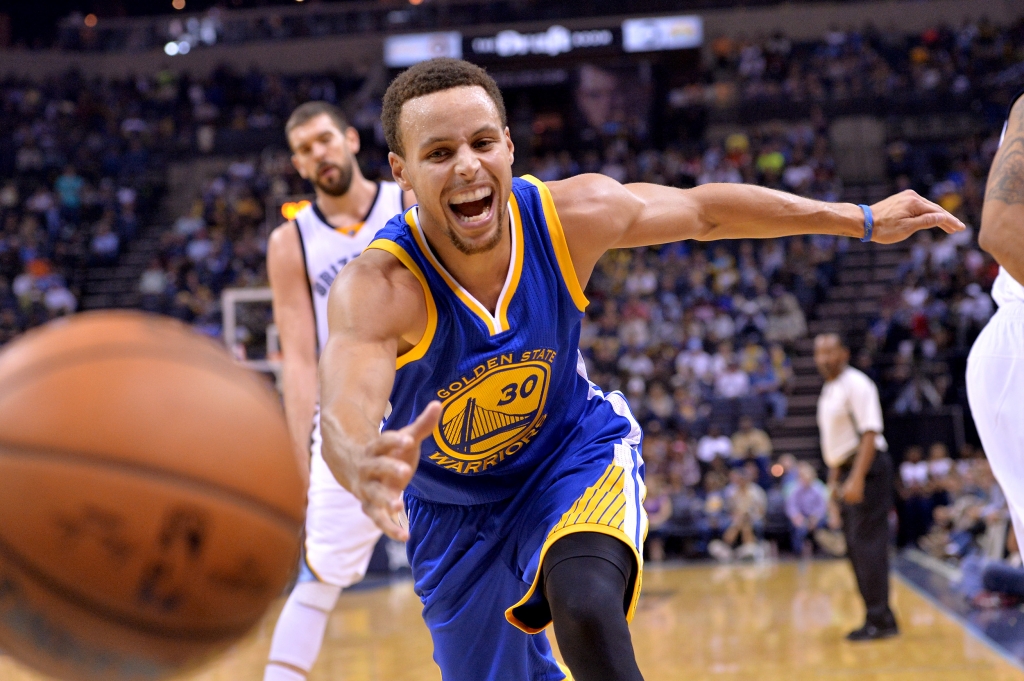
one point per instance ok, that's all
(661, 215)
(1003, 211)
(292, 302)
(368, 315)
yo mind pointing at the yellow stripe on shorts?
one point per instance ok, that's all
(601, 508)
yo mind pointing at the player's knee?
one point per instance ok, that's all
(316, 595)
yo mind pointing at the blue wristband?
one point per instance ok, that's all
(869, 222)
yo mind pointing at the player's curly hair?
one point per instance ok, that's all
(434, 75)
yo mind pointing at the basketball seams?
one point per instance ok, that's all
(90, 460)
(54, 586)
(123, 351)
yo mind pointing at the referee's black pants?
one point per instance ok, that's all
(866, 527)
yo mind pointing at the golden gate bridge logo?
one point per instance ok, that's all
(475, 424)
(494, 411)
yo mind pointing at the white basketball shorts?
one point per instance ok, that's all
(339, 536)
(995, 389)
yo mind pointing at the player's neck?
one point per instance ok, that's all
(482, 274)
(352, 206)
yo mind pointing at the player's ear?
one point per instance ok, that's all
(352, 140)
(298, 168)
(511, 146)
(398, 171)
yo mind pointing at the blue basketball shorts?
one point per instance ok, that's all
(476, 568)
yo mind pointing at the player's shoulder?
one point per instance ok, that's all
(587, 188)
(284, 240)
(377, 274)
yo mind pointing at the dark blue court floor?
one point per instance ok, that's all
(1002, 627)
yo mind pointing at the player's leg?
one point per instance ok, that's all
(465, 584)
(588, 579)
(995, 388)
(339, 543)
(300, 628)
(584, 531)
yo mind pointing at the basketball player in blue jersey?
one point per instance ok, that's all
(523, 481)
(303, 258)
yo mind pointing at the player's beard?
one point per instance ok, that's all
(339, 186)
(492, 241)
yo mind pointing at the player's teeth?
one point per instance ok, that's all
(474, 195)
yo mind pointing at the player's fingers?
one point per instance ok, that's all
(388, 470)
(424, 424)
(386, 522)
(940, 219)
(379, 494)
(388, 442)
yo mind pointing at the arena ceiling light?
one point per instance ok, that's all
(175, 48)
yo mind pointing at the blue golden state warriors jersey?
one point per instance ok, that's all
(512, 384)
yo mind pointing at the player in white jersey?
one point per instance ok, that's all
(303, 257)
(995, 368)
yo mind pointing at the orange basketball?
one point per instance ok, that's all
(150, 505)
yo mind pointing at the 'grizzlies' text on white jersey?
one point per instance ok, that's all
(326, 249)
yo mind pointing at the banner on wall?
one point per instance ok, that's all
(662, 33)
(405, 50)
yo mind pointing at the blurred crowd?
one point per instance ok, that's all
(956, 512)
(942, 62)
(75, 187)
(700, 338)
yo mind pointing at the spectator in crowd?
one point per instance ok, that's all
(733, 382)
(806, 508)
(940, 468)
(104, 245)
(752, 444)
(746, 503)
(153, 285)
(715, 517)
(913, 487)
(714, 446)
(765, 383)
(658, 505)
(975, 520)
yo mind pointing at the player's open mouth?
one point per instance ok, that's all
(473, 207)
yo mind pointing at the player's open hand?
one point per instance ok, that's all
(383, 474)
(903, 214)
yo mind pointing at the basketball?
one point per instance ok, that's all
(150, 505)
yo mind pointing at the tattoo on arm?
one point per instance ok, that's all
(1006, 179)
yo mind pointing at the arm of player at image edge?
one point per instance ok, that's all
(375, 307)
(1002, 216)
(598, 213)
(293, 315)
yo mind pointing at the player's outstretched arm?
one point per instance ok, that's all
(598, 214)
(376, 311)
(1002, 217)
(293, 314)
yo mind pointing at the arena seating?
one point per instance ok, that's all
(696, 336)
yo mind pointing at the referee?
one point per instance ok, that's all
(860, 477)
